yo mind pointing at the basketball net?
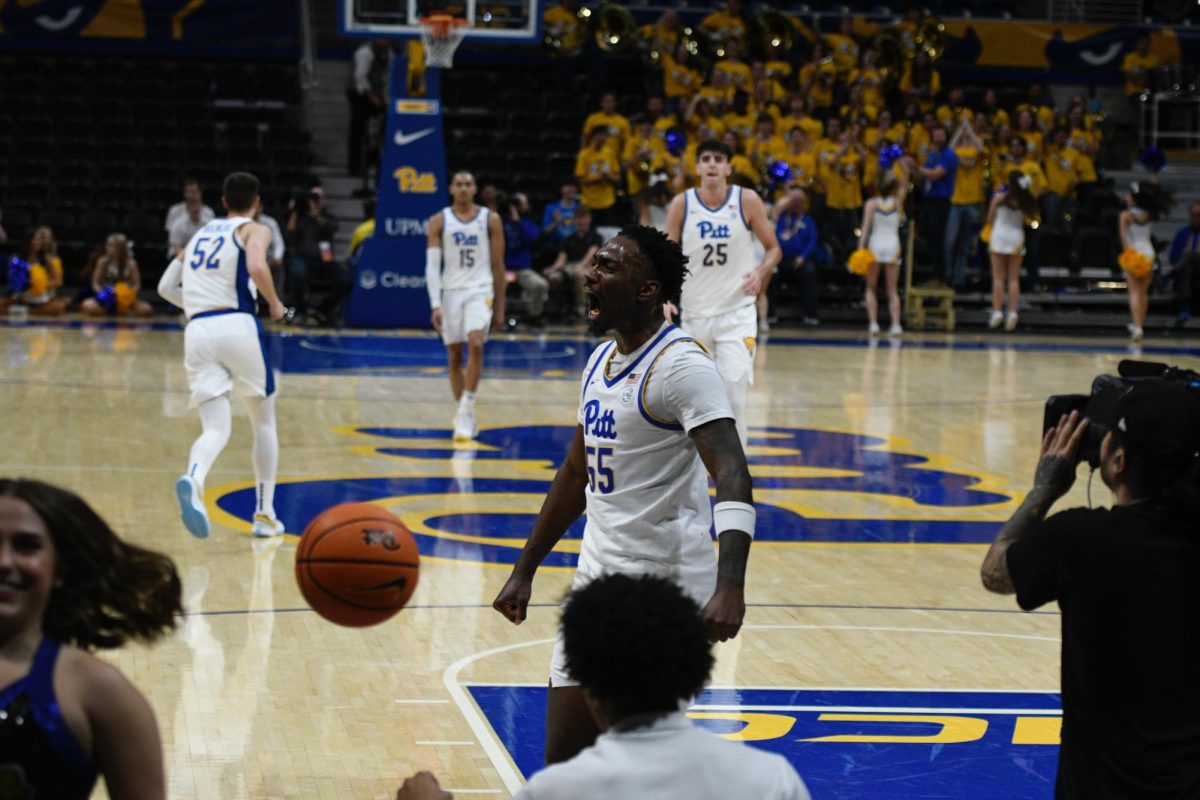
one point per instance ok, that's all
(441, 34)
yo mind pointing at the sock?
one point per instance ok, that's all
(266, 453)
(467, 401)
(216, 422)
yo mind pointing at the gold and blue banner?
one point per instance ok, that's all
(215, 22)
(1056, 47)
(389, 276)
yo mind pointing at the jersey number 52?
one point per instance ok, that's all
(205, 252)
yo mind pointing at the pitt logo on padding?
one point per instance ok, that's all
(465, 239)
(410, 181)
(598, 423)
(710, 231)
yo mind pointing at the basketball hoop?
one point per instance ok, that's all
(441, 34)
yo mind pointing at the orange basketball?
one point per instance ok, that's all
(357, 564)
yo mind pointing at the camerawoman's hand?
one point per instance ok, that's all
(1060, 455)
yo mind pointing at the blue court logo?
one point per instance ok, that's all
(479, 504)
(853, 744)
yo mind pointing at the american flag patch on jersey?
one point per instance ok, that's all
(633, 376)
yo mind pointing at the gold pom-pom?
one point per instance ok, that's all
(860, 261)
(985, 235)
(39, 279)
(126, 297)
(1135, 263)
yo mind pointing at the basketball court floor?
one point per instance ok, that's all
(871, 656)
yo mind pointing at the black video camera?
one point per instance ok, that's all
(1100, 407)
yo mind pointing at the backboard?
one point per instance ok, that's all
(502, 20)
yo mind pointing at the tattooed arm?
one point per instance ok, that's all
(1054, 477)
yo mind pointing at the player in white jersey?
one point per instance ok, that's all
(653, 424)
(464, 273)
(216, 280)
(715, 224)
(882, 216)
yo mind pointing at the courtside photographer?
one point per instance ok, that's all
(1127, 579)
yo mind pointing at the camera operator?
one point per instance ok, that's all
(309, 235)
(1126, 581)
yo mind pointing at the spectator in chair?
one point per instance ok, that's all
(1185, 259)
(309, 234)
(558, 219)
(797, 234)
(520, 236)
(574, 258)
(191, 196)
(187, 217)
(117, 266)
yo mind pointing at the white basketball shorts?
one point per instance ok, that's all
(224, 353)
(730, 338)
(464, 311)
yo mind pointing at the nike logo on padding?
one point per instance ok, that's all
(401, 138)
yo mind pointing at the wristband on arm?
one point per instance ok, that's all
(731, 515)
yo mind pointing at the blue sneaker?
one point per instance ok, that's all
(191, 507)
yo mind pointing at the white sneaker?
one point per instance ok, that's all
(265, 527)
(873, 329)
(1135, 333)
(465, 427)
(895, 330)
(1010, 321)
(995, 319)
(191, 507)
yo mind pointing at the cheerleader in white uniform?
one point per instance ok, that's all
(1146, 203)
(882, 216)
(1006, 218)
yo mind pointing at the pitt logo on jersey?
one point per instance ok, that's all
(600, 424)
(413, 182)
(708, 230)
(465, 239)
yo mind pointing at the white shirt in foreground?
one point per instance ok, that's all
(669, 758)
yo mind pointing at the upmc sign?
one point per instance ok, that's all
(389, 279)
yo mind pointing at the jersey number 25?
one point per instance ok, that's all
(714, 255)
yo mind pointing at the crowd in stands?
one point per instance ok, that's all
(815, 129)
(110, 281)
